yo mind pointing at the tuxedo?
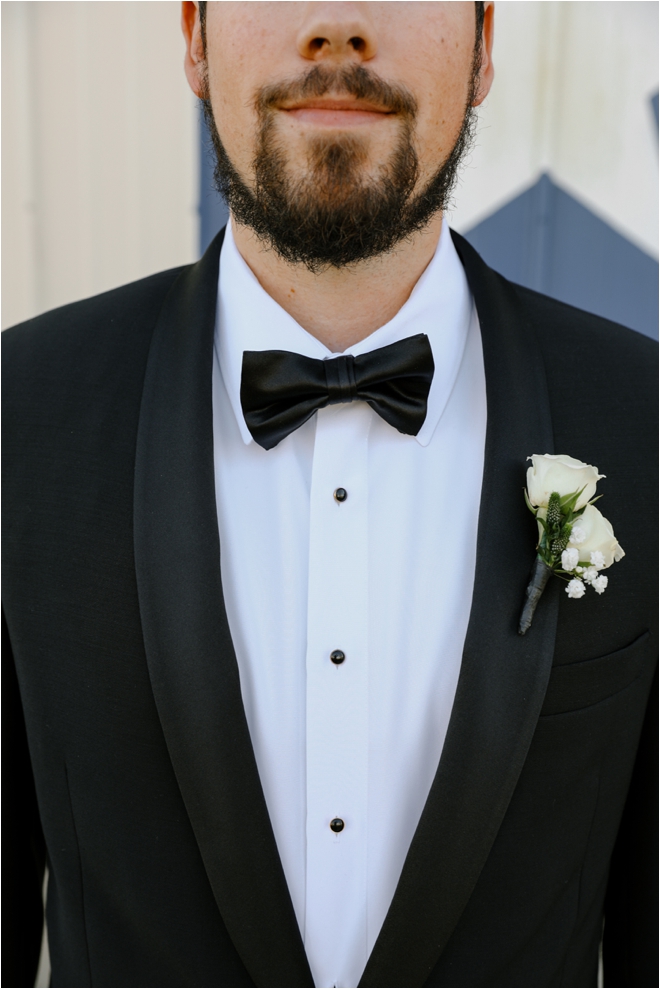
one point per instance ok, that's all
(130, 760)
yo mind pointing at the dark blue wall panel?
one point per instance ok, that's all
(548, 241)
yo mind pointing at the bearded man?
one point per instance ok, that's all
(267, 549)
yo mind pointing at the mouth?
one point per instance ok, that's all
(336, 113)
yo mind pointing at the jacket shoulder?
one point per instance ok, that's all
(75, 357)
(598, 372)
(89, 322)
(563, 329)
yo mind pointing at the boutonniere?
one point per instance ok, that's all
(575, 541)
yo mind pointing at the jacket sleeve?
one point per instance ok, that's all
(22, 839)
(630, 936)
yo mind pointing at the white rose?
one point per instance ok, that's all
(599, 539)
(562, 474)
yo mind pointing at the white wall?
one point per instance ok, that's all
(571, 96)
(99, 150)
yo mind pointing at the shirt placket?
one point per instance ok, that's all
(337, 695)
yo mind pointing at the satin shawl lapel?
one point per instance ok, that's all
(503, 675)
(191, 659)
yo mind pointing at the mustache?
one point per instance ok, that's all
(350, 80)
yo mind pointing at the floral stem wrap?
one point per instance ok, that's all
(538, 578)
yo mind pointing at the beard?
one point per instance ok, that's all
(335, 215)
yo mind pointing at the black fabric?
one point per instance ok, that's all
(23, 852)
(130, 726)
(576, 685)
(280, 390)
(189, 652)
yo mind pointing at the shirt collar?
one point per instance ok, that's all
(440, 305)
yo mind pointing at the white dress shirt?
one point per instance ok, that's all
(386, 577)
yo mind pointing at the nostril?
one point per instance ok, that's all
(358, 44)
(316, 44)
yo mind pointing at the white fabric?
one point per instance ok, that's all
(387, 577)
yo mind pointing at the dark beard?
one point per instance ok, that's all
(334, 216)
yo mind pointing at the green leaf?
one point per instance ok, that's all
(569, 501)
(546, 557)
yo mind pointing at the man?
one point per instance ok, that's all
(266, 552)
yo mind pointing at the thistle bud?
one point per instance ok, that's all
(553, 517)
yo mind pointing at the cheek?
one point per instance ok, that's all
(236, 55)
(440, 75)
(442, 108)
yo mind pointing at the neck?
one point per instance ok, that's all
(340, 307)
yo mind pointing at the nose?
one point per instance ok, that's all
(337, 31)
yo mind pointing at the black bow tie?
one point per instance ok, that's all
(280, 390)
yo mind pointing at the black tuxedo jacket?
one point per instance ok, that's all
(130, 757)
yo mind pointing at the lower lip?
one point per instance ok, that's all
(336, 118)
